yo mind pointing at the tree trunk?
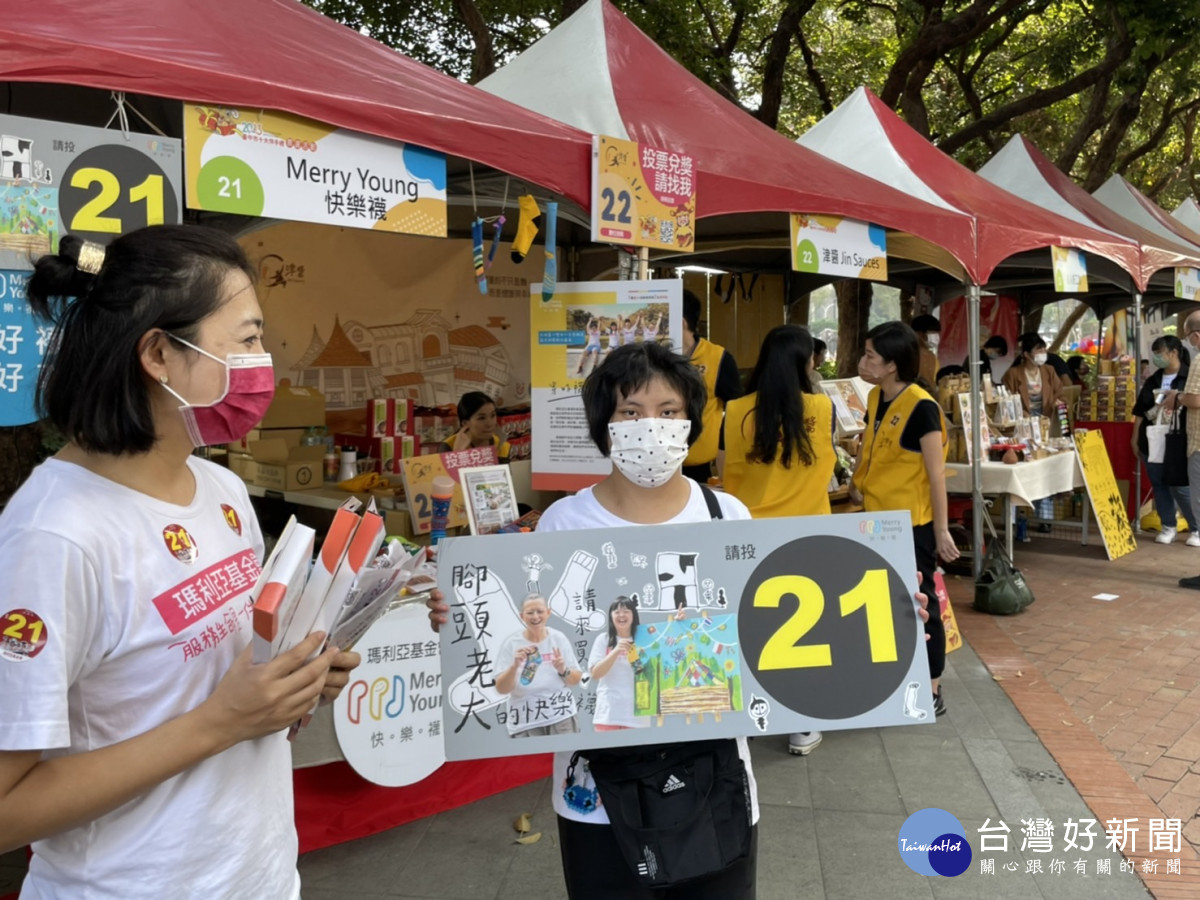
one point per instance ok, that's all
(775, 62)
(1068, 323)
(1032, 320)
(854, 311)
(483, 60)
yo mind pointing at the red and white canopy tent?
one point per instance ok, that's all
(282, 55)
(866, 135)
(599, 72)
(1188, 213)
(1122, 197)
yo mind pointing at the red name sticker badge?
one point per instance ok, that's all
(22, 635)
(231, 517)
(180, 543)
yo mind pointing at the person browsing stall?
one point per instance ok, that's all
(1033, 378)
(140, 751)
(1171, 369)
(777, 445)
(902, 464)
(722, 383)
(477, 418)
(1189, 400)
(928, 330)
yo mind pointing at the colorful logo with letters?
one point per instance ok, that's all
(933, 842)
(180, 543)
(232, 519)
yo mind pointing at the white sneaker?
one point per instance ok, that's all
(1167, 536)
(1194, 539)
(803, 743)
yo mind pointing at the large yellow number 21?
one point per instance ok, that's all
(782, 651)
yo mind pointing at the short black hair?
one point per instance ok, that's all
(630, 368)
(819, 346)
(1030, 341)
(691, 310)
(926, 324)
(472, 402)
(897, 343)
(998, 343)
(92, 385)
(1169, 342)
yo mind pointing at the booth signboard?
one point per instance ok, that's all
(1070, 270)
(388, 719)
(1104, 494)
(570, 335)
(23, 341)
(266, 163)
(743, 627)
(418, 473)
(1187, 282)
(832, 245)
(642, 196)
(95, 183)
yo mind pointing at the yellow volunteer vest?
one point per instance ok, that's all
(707, 358)
(888, 476)
(768, 489)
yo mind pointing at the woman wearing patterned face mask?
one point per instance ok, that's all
(139, 748)
(1031, 377)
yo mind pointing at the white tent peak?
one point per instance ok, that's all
(1188, 213)
(853, 135)
(1122, 197)
(565, 75)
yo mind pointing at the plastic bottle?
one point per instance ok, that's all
(443, 491)
(349, 467)
(330, 463)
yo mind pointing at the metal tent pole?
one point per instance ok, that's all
(1137, 376)
(979, 507)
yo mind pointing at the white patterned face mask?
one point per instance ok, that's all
(649, 451)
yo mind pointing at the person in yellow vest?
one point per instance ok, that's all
(777, 453)
(902, 464)
(722, 382)
(477, 416)
(928, 330)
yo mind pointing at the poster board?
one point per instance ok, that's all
(570, 335)
(489, 496)
(418, 473)
(849, 404)
(1104, 494)
(749, 627)
(642, 196)
(985, 434)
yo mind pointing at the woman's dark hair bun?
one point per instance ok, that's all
(57, 279)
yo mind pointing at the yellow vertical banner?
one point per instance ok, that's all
(1104, 494)
(642, 196)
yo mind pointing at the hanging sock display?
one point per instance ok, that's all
(527, 227)
(497, 226)
(477, 254)
(550, 277)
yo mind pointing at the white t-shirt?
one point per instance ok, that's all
(540, 695)
(614, 689)
(583, 511)
(143, 606)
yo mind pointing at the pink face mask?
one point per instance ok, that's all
(249, 387)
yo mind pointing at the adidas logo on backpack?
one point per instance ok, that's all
(673, 784)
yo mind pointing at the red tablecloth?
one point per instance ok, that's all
(334, 805)
(1117, 438)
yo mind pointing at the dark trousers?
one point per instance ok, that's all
(595, 870)
(926, 547)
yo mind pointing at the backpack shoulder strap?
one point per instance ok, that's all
(710, 498)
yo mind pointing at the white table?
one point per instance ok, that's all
(1022, 483)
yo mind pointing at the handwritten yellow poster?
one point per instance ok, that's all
(642, 196)
(1104, 494)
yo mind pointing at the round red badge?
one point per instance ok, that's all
(22, 635)
(180, 543)
(231, 517)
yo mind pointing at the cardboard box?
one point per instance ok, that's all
(282, 468)
(291, 435)
(241, 465)
(389, 417)
(295, 407)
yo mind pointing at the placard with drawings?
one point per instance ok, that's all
(717, 630)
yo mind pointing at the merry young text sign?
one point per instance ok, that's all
(744, 627)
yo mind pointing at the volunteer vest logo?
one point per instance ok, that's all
(231, 518)
(180, 544)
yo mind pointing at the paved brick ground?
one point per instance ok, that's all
(1112, 688)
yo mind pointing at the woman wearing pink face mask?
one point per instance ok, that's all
(139, 748)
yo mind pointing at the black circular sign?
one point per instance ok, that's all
(827, 626)
(112, 189)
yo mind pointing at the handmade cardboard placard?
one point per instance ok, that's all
(1104, 494)
(742, 627)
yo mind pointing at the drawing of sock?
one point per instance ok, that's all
(527, 227)
(910, 702)
(569, 597)
(477, 254)
(503, 620)
(550, 276)
(496, 228)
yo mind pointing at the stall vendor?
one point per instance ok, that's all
(477, 418)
